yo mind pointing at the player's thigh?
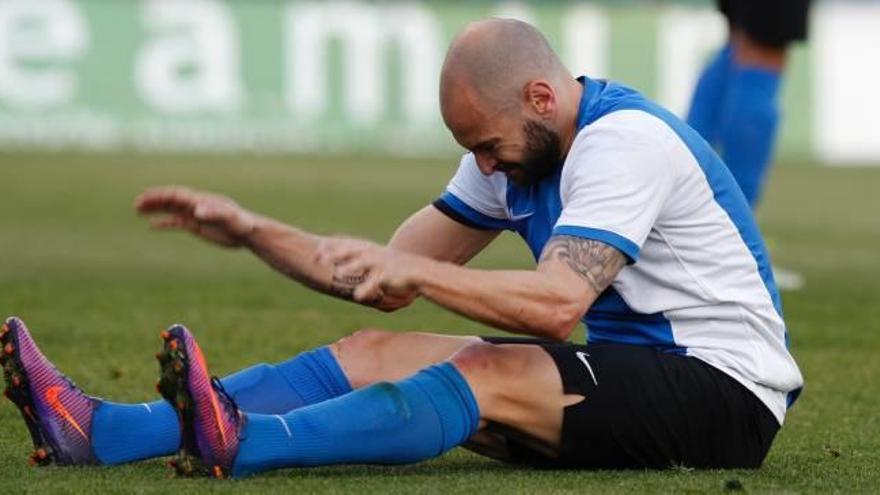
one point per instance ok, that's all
(518, 389)
(372, 355)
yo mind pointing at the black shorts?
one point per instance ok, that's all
(645, 408)
(770, 22)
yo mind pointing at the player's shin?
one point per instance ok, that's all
(308, 378)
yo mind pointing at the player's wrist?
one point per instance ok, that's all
(418, 274)
(251, 226)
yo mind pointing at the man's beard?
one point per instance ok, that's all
(543, 150)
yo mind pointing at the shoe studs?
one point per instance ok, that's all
(40, 457)
(218, 472)
(8, 349)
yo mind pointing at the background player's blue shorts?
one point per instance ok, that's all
(770, 22)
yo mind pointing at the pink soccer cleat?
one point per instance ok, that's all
(209, 418)
(57, 413)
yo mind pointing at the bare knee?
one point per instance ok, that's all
(372, 355)
(509, 375)
(365, 339)
(360, 355)
(479, 359)
(487, 368)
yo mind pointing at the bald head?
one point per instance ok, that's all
(506, 97)
(493, 59)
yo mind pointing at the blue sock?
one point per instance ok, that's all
(307, 378)
(130, 432)
(748, 128)
(706, 106)
(410, 420)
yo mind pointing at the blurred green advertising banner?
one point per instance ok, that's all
(272, 75)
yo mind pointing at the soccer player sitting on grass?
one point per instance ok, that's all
(638, 229)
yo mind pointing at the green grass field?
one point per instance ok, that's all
(96, 287)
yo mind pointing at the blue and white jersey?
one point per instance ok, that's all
(698, 281)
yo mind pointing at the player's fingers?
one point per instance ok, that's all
(152, 197)
(165, 198)
(368, 291)
(181, 222)
(210, 211)
(354, 267)
(166, 223)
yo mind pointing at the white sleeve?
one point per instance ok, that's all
(616, 180)
(474, 198)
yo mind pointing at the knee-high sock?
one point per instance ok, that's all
(129, 432)
(748, 128)
(308, 378)
(387, 423)
(708, 99)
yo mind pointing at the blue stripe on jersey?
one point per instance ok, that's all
(473, 215)
(624, 245)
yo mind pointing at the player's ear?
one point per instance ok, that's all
(540, 97)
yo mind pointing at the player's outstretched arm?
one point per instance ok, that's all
(221, 221)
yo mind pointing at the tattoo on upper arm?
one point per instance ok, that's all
(596, 262)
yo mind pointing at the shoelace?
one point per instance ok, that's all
(229, 403)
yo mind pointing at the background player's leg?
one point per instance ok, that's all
(416, 418)
(704, 114)
(750, 113)
(129, 432)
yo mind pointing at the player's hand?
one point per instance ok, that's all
(380, 277)
(212, 217)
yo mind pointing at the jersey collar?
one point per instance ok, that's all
(587, 96)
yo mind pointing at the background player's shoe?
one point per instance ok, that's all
(57, 413)
(209, 418)
(788, 280)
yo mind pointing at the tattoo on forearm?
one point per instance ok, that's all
(343, 286)
(596, 262)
